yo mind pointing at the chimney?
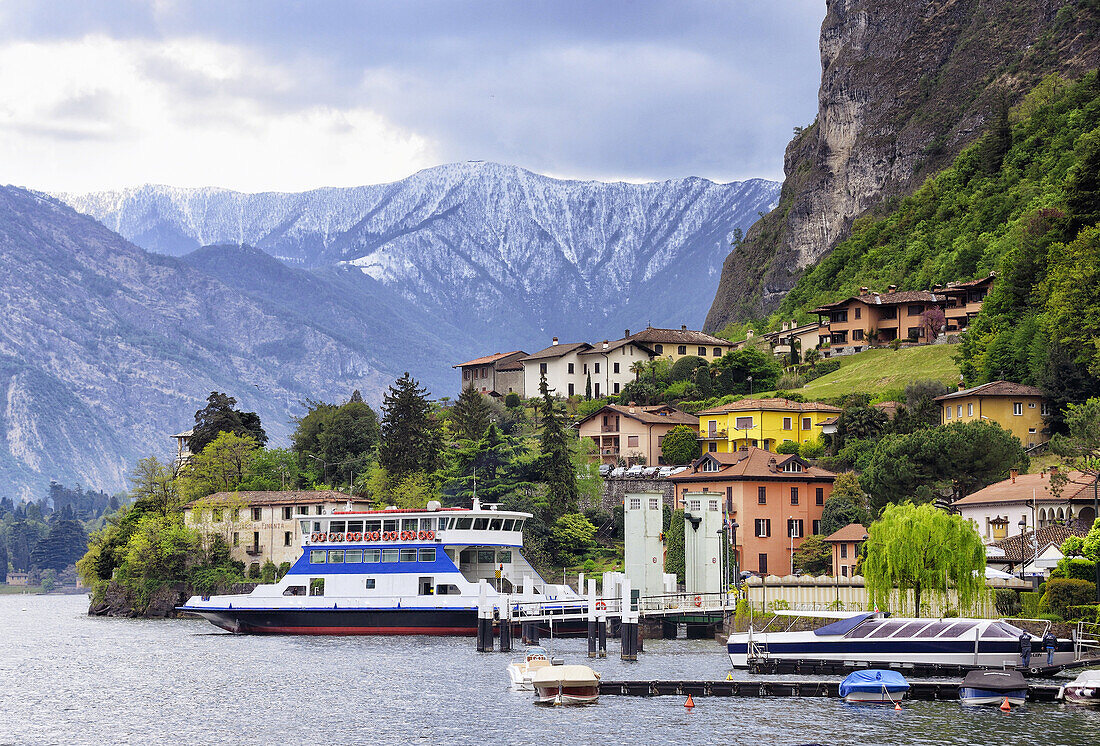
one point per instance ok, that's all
(605, 344)
(1054, 469)
(864, 290)
(683, 327)
(626, 333)
(631, 410)
(892, 289)
(1013, 473)
(555, 340)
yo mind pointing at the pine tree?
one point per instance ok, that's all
(470, 416)
(411, 440)
(219, 416)
(555, 464)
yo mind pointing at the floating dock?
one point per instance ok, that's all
(923, 690)
(774, 666)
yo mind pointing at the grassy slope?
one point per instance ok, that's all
(877, 371)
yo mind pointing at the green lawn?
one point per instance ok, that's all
(877, 371)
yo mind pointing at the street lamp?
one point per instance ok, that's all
(750, 386)
(733, 548)
(790, 532)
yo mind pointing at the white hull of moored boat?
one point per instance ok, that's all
(551, 696)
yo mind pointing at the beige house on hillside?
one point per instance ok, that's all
(673, 344)
(632, 432)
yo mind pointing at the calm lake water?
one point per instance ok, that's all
(66, 678)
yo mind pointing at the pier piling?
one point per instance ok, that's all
(506, 627)
(484, 620)
(591, 618)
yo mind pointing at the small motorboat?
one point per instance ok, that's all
(522, 671)
(566, 685)
(1084, 690)
(874, 686)
(993, 688)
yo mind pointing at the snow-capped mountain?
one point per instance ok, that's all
(508, 256)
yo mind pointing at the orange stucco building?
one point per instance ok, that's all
(633, 433)
(846, 544)
(776, 500)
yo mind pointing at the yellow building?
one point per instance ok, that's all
(763, 423)
(673, 344)
(1020, 409)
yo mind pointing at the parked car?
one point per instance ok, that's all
(618, 471)
(651, 471)
(635, 471)
(666, 471)
(605, 469)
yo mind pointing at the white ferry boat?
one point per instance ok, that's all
(876, 640)
(388, 572)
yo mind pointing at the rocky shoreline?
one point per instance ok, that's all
(118, 601)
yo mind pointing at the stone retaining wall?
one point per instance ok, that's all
(615, 488)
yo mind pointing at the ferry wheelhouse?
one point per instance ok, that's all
(387, 572)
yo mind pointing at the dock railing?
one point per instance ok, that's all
(672, 604)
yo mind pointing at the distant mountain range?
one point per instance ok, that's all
(508, 256)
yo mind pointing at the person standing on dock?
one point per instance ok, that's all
(1050, 642)
(1025, 649)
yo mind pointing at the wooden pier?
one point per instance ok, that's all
(922, 690)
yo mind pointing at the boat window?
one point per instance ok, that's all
(997, 630)
(955, 630)
(447, 590)
(390, 524)
(463, 524)
(911, 629)
(408, 555)
(317, 557)
(509, 523)
(372, 555)
(495, 523)
(485, 557)
(336, 527)
(336, 556)
(425, 585)
(370, 584)
(887, 629)
(505, 556)
(355, 526)
(468, 557)
(354, 556)
(443, 523)
(373, 526)
(427, 555)
(294, 590)
(519, 525)
(935, 628)
(305, 527)
(316, 586)
(408, 524)
(389, 555)
(480, 524)
(863, 630)
(425, 524)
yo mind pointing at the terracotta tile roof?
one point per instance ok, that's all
(793, 330)
(774, 404)
(650, 415)
(886, 299)
(888, 408)
(1078, 487)
(489, 358)
(1021, 548)
(599, 349)
(851, 532)
(752, 463)
(562, 348)
(651, 335)
(969, 283)
(995, 388)
(277, 497)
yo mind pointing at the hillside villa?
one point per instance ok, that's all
(497, 375)
(673, 344)
(964, 300)
(775, 499)
(1017, 408)
(1034, 553)
(568, 366)
(846, 543)
(762, 423)
(632, 433)
(804, 337)
(261, 526)
(1024, 502)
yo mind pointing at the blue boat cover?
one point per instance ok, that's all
(873, 680)
(844, 625)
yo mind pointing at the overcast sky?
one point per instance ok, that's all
(290, 96)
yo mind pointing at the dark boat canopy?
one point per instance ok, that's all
(844, 626)
(995, 681)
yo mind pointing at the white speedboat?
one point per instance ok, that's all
(873, 639)
(522, 671)
(1084, 690)
(566, 685)
(874, 686)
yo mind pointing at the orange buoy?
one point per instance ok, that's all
(1005, 706)
(689, 704)
(897, 705)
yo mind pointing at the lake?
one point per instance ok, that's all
(66, 678)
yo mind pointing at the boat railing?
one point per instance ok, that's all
(1086, 641)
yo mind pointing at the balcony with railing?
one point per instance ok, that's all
(713, 435)
(254, 550)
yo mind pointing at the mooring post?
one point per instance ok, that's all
(628, 629)
(591, 618)
(505, 624)
(484, 619)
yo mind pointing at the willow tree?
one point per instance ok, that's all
(923, 549)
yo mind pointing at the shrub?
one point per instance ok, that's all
(1062, 593)
(742, 608)
(1078, 569)
(790, 381)
(823, 368)
(1083, 612)
(1007, 602)
(812, 449)
(512, 400)
(284, 568)
(268, 572)
(787, 446)
(1029, 604)
(681, 390)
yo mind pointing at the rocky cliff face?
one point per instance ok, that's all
(905, 85)
(508, 256)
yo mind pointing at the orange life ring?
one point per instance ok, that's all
(358, 536)
(374, 536)
(422, 535)
(404, 536)
(601, 605)
(385, 536)
(322, 536)
(698, 600)
(332, 537)
(431, 535)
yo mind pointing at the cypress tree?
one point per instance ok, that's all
(410, 436)
(588, 388)
(556, 466)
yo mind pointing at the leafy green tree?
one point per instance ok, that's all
(411, 440)
(586, 466)
(572, 536)
(922, 411)
(732, 371)
(219, 416)
(153, 487)
(862, 423)
(787, 447)
(680, 445)
(268, 572)
(684, 368)
(23, 536)
(482, 467)
(512, 400)
(555, 462)
(846, 505)
(922, 549)
(272, 469)
(811, 449)
(814, 556)
(471, 415)
(335, 441)
(49, 580)
(222, 466)
(588, 387)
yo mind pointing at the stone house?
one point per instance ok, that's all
(497, 375)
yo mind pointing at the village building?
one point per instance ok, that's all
(1024, 502)
(870, 318)
(610, 365)
(846, 544)
(762, 423)
(776, 500)
(560, 363)
(673, 344)
(1034, 553)
(632, 433)
(496, 375)
(1020, 409)
(18, 578)
(183, 448)
(964, 301)
(804, 337)
(261, 526)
